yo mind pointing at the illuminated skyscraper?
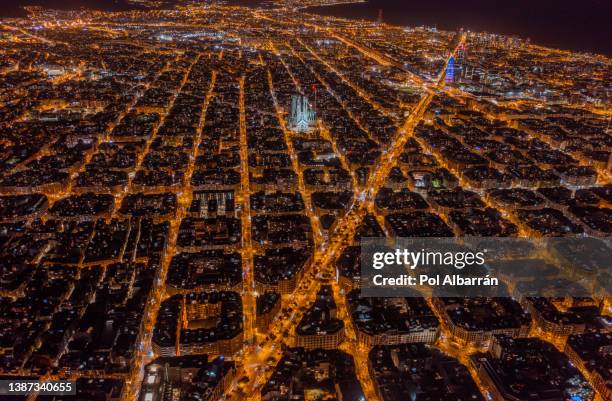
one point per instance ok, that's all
(450, 70)
(461, 63)
(461, 53)
(302, 117)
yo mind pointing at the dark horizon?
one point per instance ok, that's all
(550, 23)
(559, 24)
